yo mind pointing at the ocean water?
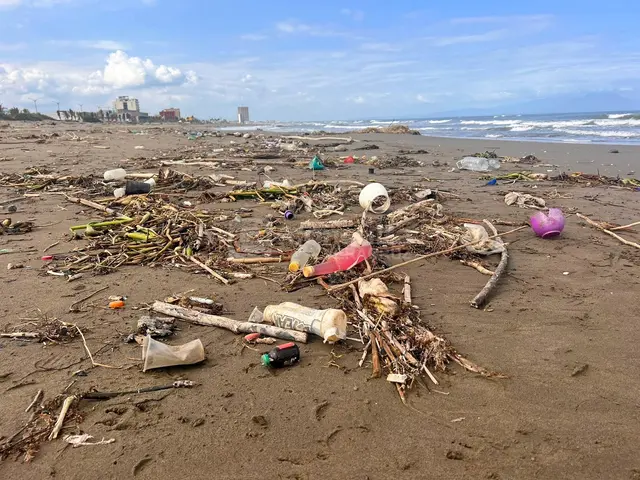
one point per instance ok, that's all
(610, 128)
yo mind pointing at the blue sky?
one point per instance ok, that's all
(315, 60)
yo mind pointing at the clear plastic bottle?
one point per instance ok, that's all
(330, 324)
(358, 251)
(308, 251)
(115, 174)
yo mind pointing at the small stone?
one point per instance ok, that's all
(454, 455)
(580, 369)
(197, 422)
(260, 420)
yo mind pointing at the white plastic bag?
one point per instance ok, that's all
(485, 245)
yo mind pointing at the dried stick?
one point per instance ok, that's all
(212, 272)
(91, 204)
(375, 357)
(199, 318)
(73, 305)
(479, 299)
(20, 335)
(224, 232)
(624, 227)
(329, 224)
(251, 260)
(86, 347)
(478, 266)
(608, 232)
(13, 200)
(63, 413)
(407, 289)
(34, 401)
(417, 259)
(108, 395)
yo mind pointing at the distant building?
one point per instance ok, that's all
(243, 114)
(126, 109)
(170, 114)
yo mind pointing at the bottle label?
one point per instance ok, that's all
(284, 320)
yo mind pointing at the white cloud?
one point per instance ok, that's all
(502, 19)
(380, 47)
(253, 37)
(357, 15)
(491, 36)
(109, 45)
(9, 3)
(12, 47)
(125, 71)
(293, 27)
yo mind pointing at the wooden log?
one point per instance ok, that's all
(329, 224)
(479, 299)
(235, 326)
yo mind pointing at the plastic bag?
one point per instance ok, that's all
(156, 354)
(485, 245)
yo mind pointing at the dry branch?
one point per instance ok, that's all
(608, 232)
(479, 299)
(63, 413)
(235, 326)
(211, 271)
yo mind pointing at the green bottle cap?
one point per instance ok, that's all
(266, 361)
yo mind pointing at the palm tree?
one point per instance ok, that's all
(14, 111)
(66, 114)
(25, 111)
(58, 112)
(72, 114)
(101, 114)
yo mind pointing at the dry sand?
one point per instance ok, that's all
(542, 327)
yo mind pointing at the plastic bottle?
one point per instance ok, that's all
(478, 164)
(357, 251)
(115, 174)
(282, 356)
(308, 251)
(330, 324)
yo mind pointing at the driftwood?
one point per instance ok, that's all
(479, 299)
(417, 259)
(89, 203)
(108, 395)
(407, 290)
(329, 224)
(608, 232)
(235, 326)
(63, 413)
(478, 266)
(210, 270)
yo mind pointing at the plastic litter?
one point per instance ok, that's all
(330, 324)
(307, 252)
(478, 164)
(156, 354)
(349, 159)
(524, 200)
(134, 188)
(316, 163)
(485, 245)
(375, 198)
(356, 252)
(283, 355)
(115, 174)
(548, 225)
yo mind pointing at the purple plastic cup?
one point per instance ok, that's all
(548, 225)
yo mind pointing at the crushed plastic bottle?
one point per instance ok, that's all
(330, 324)
(356, 252)
(478, 164)
(308, 251)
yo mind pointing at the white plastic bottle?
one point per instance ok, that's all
(115, 174)
(330, 324)
(308, 251)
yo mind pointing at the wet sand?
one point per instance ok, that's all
(560, 325)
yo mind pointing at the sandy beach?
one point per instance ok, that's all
(559, 326)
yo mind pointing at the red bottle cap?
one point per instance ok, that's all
(47, 258)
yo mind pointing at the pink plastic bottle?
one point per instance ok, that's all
(357, 251)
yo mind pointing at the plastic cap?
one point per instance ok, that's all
(331, 335)
(308, 271)
(266, 361)
(294, 267)
(119, 192)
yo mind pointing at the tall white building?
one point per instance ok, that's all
(127, 104)
(243, 114)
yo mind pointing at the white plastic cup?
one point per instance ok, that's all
(370, 193)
